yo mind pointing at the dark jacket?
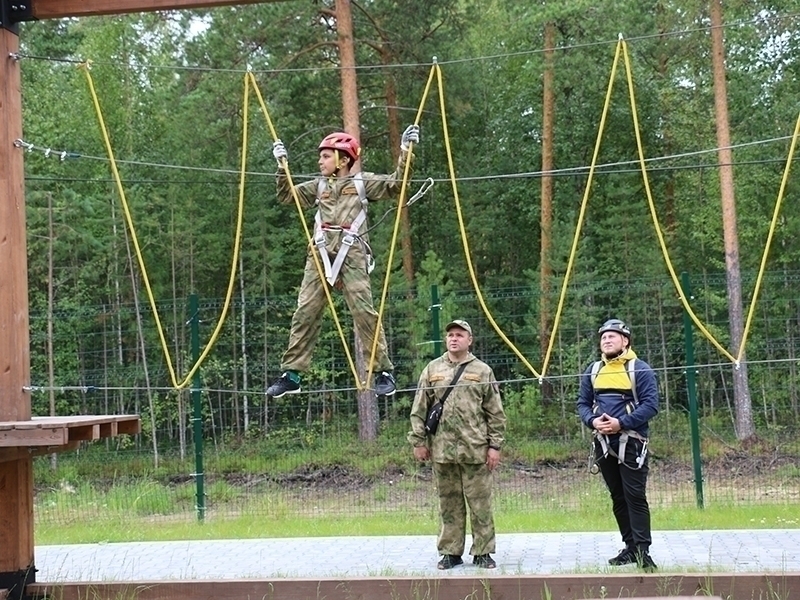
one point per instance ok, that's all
(611, 394)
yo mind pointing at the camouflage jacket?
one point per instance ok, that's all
(472, 419)
(339, 203)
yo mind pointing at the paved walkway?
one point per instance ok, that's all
(759, 550)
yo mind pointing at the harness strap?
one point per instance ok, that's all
(630, 368)
(351, 233)
(625, 434)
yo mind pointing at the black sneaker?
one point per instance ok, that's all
(285, 384)
(384, 384)
(645, 562)
(449, 561)
(484, 561)
(626, 556)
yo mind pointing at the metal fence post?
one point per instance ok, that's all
(436, 334)
(691, 387)
(197, 419)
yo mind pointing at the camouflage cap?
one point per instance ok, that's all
(459, 323)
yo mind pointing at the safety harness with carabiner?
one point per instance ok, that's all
(624, 434)
(351, 235)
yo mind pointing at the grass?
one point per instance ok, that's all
(129, 528)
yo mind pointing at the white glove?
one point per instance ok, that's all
(410, 136)
(279, 152)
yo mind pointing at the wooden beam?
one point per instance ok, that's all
(563, 587)
(37, 436)
(59, 431)
(16, 476)
(16, 515)
(55, 9)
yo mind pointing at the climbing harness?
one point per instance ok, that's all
(624, 434)
(351, 230)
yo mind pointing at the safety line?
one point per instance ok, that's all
(139, 257)
(674, 33)
(392, 245)
(654, 215)
(464, 241)
(772, 228)
(582, 213)
(361, 386)
(773, 225)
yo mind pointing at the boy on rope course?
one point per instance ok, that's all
(340, 238)
(618, 396)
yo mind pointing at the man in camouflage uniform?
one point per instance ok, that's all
(466, 447)
(340, 197)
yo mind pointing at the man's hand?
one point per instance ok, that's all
(606, 424)
(279, 152)
(422, 453)
(410, 136)
(492, 458)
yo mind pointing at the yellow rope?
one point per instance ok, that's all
(400, 202)
(654, 215)
(126, 209)
(772, 227)
(582, 213)
(361, 386)
(462, 228)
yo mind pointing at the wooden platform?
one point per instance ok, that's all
(43, 435)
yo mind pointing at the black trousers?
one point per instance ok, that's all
(627, 486)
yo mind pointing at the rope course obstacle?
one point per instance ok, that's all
(621, 54)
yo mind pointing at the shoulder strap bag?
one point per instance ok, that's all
(435, 413)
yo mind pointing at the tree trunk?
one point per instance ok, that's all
(406, 249)
(142, 349)
(745, 428)
(367, 402)
(545, 268)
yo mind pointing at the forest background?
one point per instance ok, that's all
(524, 90)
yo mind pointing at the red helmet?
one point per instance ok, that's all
(343, 142)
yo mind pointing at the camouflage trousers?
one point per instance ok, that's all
(311, 302)
(459, 485)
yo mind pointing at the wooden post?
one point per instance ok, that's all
(16, 476)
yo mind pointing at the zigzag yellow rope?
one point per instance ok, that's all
(582, 213)
(361, 386)
(653, 213)
(464, 241)
(400, 202)
(120, 190)
(772, 227)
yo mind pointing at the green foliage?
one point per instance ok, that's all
(171, 85)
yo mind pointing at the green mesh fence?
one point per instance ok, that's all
(306, 454)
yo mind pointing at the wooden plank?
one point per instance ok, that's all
(81, 420)
(529, 587)
(88, 433)
(54, 9)
(34, 437)
(57, 431)
(108, 430)
(129, 427)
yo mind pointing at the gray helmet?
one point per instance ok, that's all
(615, 325)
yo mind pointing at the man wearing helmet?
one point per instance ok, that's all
(618, 396)
(342, 246)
